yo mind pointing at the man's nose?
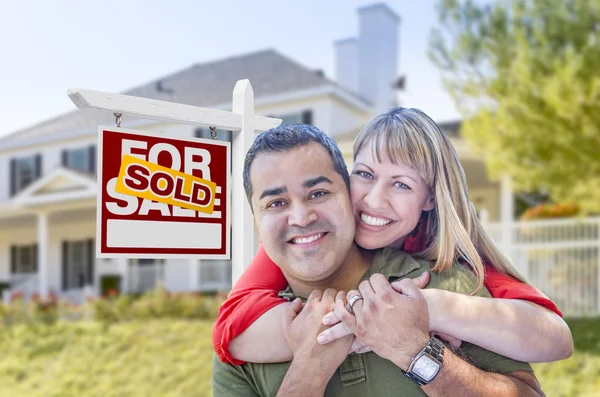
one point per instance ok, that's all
(301, 215)
(376, 197)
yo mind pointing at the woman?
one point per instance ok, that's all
(409, 191)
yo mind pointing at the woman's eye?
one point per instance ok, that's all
(318, 194)
(401, 185)
(364, 174)
(276, 203)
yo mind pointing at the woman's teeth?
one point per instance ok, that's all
(371, 221)
(306, 240)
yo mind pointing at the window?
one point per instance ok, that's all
(144, 274)
(24, 171)
(78, 264)
(215, 274)
(304, 117)
(23, 259)
(81, 159)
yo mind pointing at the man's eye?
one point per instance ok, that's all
(276, 203)
(401, 185)
(364, 174)
(318, 194)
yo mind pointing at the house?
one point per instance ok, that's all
(48, 185)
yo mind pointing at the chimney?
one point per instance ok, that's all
(378, 55)
(346, 63)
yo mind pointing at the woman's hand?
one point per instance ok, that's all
(339, 330)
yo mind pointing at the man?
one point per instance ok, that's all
(298, 187)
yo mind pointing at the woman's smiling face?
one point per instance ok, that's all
(388, 199)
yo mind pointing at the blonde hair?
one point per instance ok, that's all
(452, 228)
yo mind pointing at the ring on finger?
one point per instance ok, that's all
(351, 303)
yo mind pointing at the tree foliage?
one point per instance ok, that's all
(525, 74)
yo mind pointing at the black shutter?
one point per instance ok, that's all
(92, 159)
(64, 156)
(13, 177)
(35, 257)
(307, 117)
(65, 252)
(38, 166)
(199, 133)
(90, 262)
(13, 259)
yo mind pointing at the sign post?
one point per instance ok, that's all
(243, 124)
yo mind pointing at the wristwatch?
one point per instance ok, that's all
(425, 366)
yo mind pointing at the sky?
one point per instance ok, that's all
(112, 45)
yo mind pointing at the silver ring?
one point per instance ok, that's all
(351, 303)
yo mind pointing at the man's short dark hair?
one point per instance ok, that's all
(287, 137)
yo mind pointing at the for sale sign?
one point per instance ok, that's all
(162, 197)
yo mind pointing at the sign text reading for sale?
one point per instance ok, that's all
(162, 197)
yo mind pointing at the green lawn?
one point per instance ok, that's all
(173, 358)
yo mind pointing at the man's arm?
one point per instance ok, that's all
(229, 381)
(382, 312)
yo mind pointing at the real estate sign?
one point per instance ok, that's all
(162, 197)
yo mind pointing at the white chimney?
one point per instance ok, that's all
(378, 55)
(346, 63)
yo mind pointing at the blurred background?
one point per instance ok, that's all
(514, 84)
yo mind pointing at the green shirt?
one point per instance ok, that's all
(366, 374)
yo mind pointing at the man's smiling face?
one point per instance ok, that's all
(303, 212)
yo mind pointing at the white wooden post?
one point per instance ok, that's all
(124, 270)
(241, 215)
(194, 281)
(42, 253)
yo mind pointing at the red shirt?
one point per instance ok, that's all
(257, 291)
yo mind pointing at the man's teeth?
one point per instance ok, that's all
(371, 221)
(306, 240)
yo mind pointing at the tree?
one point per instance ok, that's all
(525, 75)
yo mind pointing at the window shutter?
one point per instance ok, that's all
(199, 133)
(90, 262)
(38, 166)
(35, 257)
(64, 156)
(65, 260)
(13, 177)
(92, 159)
(307, 117)
(13, 259)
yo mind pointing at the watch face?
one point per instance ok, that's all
(426, 368)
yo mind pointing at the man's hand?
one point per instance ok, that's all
(313, 364)
(338, 329)
(394, 325)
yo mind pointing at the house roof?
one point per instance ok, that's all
(206, 84)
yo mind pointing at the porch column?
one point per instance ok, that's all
(194, 281)
(507, 211)
(42, 253)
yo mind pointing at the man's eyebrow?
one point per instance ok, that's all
(273, 192)
(315, 181)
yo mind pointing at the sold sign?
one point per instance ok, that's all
(153, 182)
(162, 197)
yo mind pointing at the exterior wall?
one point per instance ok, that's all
(488, 198)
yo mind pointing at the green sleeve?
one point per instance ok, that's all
(229, 380)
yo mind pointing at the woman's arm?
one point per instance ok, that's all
(255, 293)
(524, 326)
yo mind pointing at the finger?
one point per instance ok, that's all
(296, 305)
(329, 297)
(329, 335)
(366, 290)
(341, 295)
(421, 281)
(407, 287)
(454, 342)
(315, 296)
(379, 282)
(344, 315)
(350, 296)
(330, 318)
(364, 349)
(356, 345)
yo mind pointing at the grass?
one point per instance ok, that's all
(168, 357)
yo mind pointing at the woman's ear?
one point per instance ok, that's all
(429, 204)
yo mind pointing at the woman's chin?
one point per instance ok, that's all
(366, 242)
